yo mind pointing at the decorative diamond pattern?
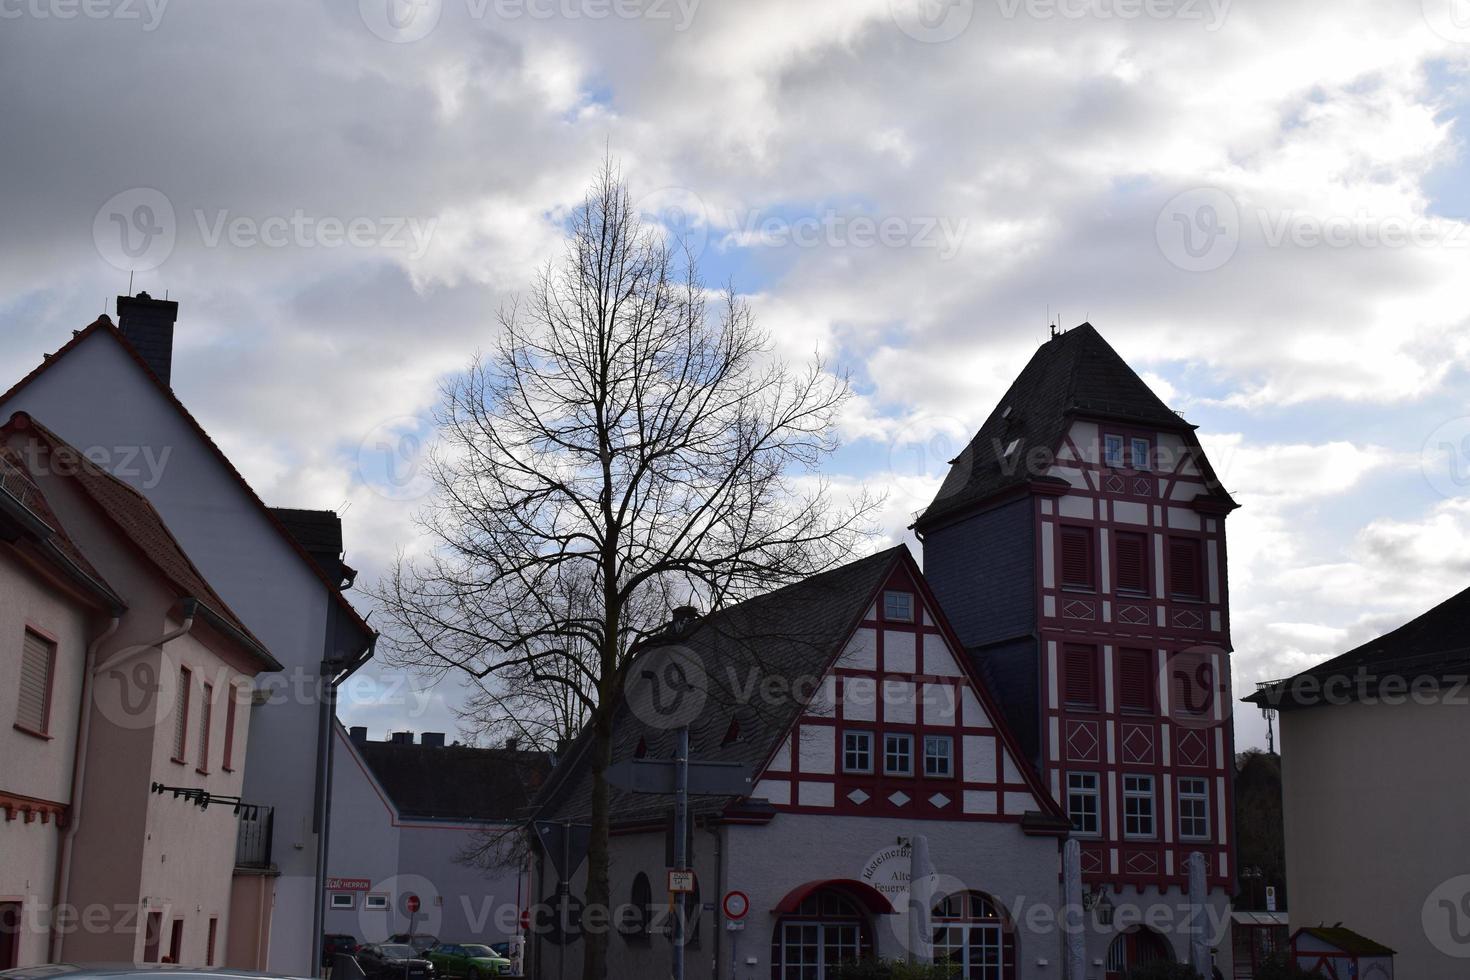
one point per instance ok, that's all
(1079, 609)
(899, 798)
(1138, 744)
(1191, 619)
(1193, 749)
(1133, 615)
(1082, 741)
(1113, 483)
(939, 800)
(858, 797)
(1141, 863)
(1142, 486)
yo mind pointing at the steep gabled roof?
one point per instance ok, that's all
(793, 635)
(1075, 373)
(142, 526)
(1435, 645)
(456, 782)
(103, 325)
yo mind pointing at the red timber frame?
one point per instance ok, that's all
(1180, 636)
(998, 786)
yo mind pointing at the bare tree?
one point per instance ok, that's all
(624, 450)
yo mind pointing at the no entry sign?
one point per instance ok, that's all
(412, 904)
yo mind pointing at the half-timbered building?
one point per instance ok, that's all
(1077, 546)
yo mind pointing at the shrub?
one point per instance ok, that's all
(1163, 970)
(873, 969)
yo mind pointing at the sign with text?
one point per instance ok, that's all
(348, 884)
(681, 882)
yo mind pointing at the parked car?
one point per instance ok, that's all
(337, 942)
(469, 960)
(421, 942)
(393, 961)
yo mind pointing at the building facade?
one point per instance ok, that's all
(1078, 547)
(1375, 829)
(442, 823)
(147, 687)
(107, 391)
(868, 736)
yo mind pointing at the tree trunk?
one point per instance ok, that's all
(594, 961)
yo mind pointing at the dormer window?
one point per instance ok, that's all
(1113, 451)
(1007, 413)
(1011, 447)
(898, 607)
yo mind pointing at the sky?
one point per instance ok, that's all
(1262, 205)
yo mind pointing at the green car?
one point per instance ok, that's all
(470, 960)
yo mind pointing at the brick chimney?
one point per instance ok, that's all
(432, 739)
(148, 324)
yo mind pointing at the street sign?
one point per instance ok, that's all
(659, 776)
(565, 844)
(681, 882)
(737, 904)
(412, 904)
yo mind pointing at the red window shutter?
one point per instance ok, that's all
(1136, 680)
(1132, 562)
(1184, 568)
(1079, 674)
(1077, 557)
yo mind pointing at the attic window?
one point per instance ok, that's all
(1011, 447)
(1007, 413)
(898, 607)
(732, 734)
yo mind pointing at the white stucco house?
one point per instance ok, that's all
(107, 391)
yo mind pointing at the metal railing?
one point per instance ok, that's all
(253, 838)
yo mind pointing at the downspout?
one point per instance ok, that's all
(718, 832)
(62, 886)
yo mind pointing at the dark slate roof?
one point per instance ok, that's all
(318, 531)
(791, 633)
(132, 514)
(1076, 373)
(1434, 645)
(1347, 940)
(457, 782)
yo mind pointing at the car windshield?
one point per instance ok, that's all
(396, 952)
(479, 951)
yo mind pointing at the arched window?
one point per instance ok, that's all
(1135, 947)
(640, 922)
(826, 930)
(972, 932)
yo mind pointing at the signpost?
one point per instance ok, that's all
(680, 778)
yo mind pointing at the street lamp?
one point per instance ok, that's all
(1098, 903)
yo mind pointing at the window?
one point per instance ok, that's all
(1113, 450)
(206, 712)
(209, 947)
(1082, 803)
(343, 900)
(898, 755)
(375, 903)
(1136, 680)
(1077, 558)
(938, 756)
(37, 664)
(637, 927)
(232, 693)
(898, 606)
(1138, 806)
(181, 715)
(971, 934)
(1142, 454)
(826, 931)
(1185, 571)
(1194, 808)
(1011, 448)
(176, 941)
(857, 752)
(1131, 550)
(1079, 675)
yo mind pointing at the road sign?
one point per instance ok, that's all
(659, 776)
(412, 904)
(1270, 898)
(737, 904)
(566, 845)
(682, 882)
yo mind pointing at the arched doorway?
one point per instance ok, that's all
(817, 931)
(1135, 947)
(973, 932)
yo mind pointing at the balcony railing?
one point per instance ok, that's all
(253, 838)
